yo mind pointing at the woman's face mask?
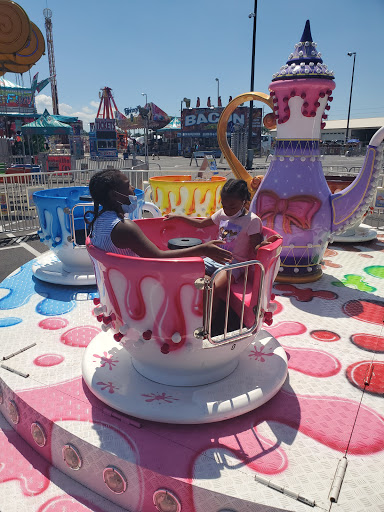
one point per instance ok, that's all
(128, 208)
(238, 214)
(233, 207)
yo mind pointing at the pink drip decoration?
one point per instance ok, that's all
(48, 360)
(162, 328)
(17, 455)
(367, 375)
(304, 294)
(134, 300)
(312, 362)
(79, 336)
(369, 342)
(53, 324)
(328, 420)
(370, 311)
(314, 91)
(326, 336)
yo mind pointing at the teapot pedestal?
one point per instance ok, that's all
(109, 372)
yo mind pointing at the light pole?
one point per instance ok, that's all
(218, 90)
(350, 94)
(146, 131)
(187, 102)
(250, 151)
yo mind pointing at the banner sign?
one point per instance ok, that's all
(105, 125)
(202, 122)
(15, 100)
(59, 162)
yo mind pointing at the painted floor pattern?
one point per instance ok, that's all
(332, 332)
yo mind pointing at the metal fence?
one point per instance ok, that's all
(17, 209)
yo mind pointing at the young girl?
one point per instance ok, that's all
(111, 232)
(239, 229)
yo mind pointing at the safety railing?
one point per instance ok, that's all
(78, 236)
(17, 208)
(335, 169)
(209, 290)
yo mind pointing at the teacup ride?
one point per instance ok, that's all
(156, 316)
(182, 195)
(358, 232)
(63, 229)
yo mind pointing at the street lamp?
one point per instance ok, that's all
(350, 94)
(250, 151)
(146, 131)
(187, 102)
(218, 90)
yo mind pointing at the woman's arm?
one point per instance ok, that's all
(201, 223)
(127, 235)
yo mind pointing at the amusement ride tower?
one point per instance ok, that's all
(51, 58)
(106, 101)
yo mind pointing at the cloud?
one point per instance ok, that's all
(65, 110)
(87, 113)
(43, 101)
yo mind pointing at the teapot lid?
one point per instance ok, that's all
(305, 61)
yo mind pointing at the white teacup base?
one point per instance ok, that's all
(109, 373)
(360, 233)
(50, 269)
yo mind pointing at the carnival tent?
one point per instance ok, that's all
(173, 125)
(157, 118)
(46, 125)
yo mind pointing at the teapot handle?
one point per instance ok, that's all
(237, 168)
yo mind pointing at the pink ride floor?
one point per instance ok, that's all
(332, 331)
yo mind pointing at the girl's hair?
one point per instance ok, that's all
(238, 188)
(99, 186)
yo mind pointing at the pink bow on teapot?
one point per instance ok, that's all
(297, 210)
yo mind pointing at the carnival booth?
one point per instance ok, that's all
(48, 126)
(172, 132)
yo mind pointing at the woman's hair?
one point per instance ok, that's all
(99, 186)
(238, 188)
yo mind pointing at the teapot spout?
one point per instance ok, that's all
(350, 205)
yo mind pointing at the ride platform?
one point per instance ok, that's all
(64, 449)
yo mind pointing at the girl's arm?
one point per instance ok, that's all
(199, 223)
(257, 241)
(127, 235)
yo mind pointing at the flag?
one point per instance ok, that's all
(209, 101)
(219, 101)
(119, 116)
(34, 82)
(198, 102)
(40, 86)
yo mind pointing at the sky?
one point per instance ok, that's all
(175, 49)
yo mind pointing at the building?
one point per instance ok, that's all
(17, 107)
(359, 129)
